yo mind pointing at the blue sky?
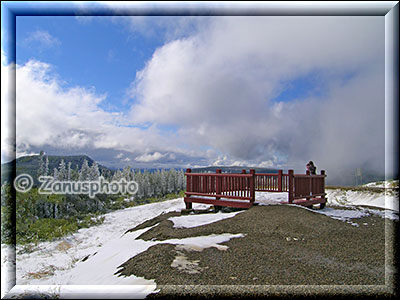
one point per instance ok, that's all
(96, 53)
(186, 91)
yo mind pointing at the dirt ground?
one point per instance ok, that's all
(286, 251)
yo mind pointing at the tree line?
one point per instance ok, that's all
(41, 217)
(151, 184)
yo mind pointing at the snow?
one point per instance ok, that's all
(383, 184)
(89, 240)
(350, 201)
(348, 197)
(105, 247)
(266, 198)
(191, 221)
(7, 268)
(57, 268)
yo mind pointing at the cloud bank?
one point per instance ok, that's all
(220, 87)
(71, 121)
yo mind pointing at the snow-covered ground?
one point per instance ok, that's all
(353, 203)
(83, 264)
(383, 184)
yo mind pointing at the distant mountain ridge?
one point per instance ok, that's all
(232, 169)
(30, 165)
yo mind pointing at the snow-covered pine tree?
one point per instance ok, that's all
(181, 180)
(126, 173)
(69, 171)
(84, 172)
(46, 166)
(171, 181)
(178, 181)
(117, 175)
(75, 173)
(156, 182)
(139, 180)
(132, 174)
(62, 171)
(41, 169)
(94, 172)
(148, 184)
(55, 173)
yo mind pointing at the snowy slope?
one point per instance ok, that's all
(84, 263)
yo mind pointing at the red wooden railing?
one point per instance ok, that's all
(210, 188)
(272, 182)
(238, 190)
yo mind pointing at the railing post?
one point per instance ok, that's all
(218, 183)
(323, 181)
(243, 184)
(309, 184)
(188, 189)
(291, 185)
(253, 185)
(280, 181)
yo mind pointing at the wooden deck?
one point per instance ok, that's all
(238, 190)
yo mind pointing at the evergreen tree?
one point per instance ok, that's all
(46, 166)
(139, 180)
(126, 173)
(132, 175)
(85, 171)
(55, 173)
(117, 175)
(156, 182)
(171, 181)
(62, 171)
(94, 172)
(181, 180)
(75, 173)
(41, 169)
(69, 175)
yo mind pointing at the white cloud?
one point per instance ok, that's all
(42, 38)
(150, 157)
(217, 86)
(68, 119)
(7, 91)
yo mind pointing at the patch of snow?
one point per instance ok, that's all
(199, 243)
(105, 248)
(267, 198)
(191, 221)
(49, 257)
(82, 291)
(351, 200)
(7, 268)
(182, 263)
(352, 212)
(342, 214)
(383, 184)
(342, 197)
(100, 268)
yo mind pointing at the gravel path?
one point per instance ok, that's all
(286, 251)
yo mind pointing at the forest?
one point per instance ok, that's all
(40, 217)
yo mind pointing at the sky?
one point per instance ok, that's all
(186, 91)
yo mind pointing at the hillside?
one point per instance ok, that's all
(30, 165)
(159, 250)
